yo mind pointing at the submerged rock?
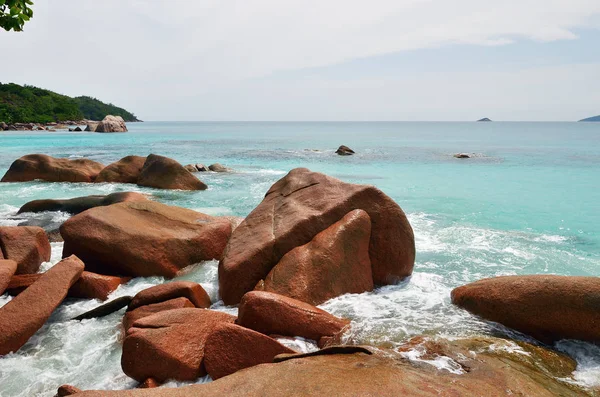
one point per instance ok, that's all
(144, 238)
(7, 269)
(111, 124)
(170, 344)
(216, 167)
(344, 151)
(46, 168)
(298, 207)
(126, 170)
(335, 262)
(274, 314)
(25, 314)
(26, 245)
(230, 348)
(547, 307)
(165, 173)
(80, 204)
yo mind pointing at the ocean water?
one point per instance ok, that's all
(527, 202)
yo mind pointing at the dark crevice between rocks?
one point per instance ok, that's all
(324, 352)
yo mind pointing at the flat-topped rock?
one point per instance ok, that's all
(165, 173)
(80, 204)
(175, 289)
(126, 170)
(26, 245)
(274, 314)
(144, 238)
(298, 207)
(40, 166)
(547, 307)
(132, 315)
(25, 314)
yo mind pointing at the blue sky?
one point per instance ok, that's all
(317, 60)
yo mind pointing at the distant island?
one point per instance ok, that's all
(484, 119)
(28, 104)
(595, 118)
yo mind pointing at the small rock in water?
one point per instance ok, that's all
(216, 167)
(344, 151)
(77, 129)
(201, 167)
(484, 119)
(67, 390)
(191, 168)
(462, 156)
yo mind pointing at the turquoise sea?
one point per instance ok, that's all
(528, 201)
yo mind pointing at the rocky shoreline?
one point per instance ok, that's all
(117, 125)
(312, 238)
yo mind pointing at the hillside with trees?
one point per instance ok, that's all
(28, 104)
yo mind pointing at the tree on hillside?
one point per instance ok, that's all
(14, 14)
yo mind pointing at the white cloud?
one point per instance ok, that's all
(144, 54)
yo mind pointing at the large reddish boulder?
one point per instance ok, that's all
(111, 123)
(25, 314)
(175, 289)
(131, 316)
(335, 262)
(7, 269)
(80, 204)
(51, 169)
(88, 286)
(294, 210)
(165, 173)
(547, 307)
(126, 170)
(274, 314)
(170, 344)
(143, 238)
(230, 348)
(26, 245)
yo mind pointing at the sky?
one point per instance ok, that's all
(295, 60)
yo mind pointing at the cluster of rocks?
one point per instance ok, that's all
(152, 171)
(108, 124)
(216, 167)
(312, 238)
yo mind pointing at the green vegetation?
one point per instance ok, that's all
(28, 104)
(95, 109)
(14, 14)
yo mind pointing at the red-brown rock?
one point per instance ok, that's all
(126, 170)
(335, 262)
(46, 168)
(25, 314)
(80, 204)
(165, 173)
(547, 307)
(96, 286)
(144, 238)
(88, 286)
(170, 344)
(131, 316)
(294, 210)
(274, 314)
(149, 383)
(7, 269)
(67, 390)
(175, 289)
(230, 348)
(26, 245)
